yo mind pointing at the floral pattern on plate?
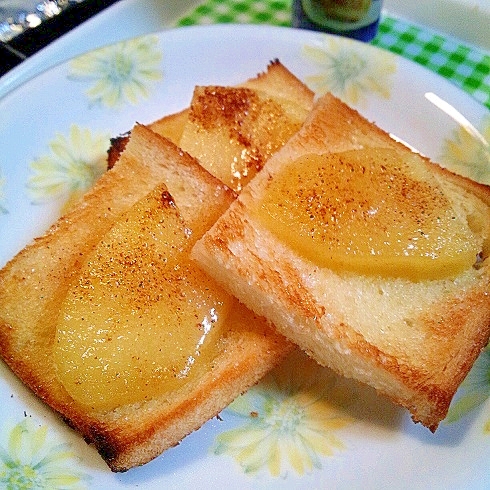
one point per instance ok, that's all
(31, 458)
(473, 392)
(468, 152)
(72, 166)
(288, 421)
(120, 74)
(348, 71)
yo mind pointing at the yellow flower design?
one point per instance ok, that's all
(473, 392)
(349, 70)
(289, 420)
(30, 460)
(469, 154)
(120, 73)
(73, 165)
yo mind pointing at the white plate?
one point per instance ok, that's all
(65, 116)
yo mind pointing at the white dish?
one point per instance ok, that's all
(68, 114)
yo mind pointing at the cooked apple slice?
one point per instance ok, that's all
(372, 211)
(232, 131)
(141, 319)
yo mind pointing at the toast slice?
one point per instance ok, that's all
(368, 256)
(152, 183)
(232, 131)
(170, 127)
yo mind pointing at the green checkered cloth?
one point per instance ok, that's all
(467, 67)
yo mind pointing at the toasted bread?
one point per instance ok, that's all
(409, 335)
(232, 131)
(34, 286)
(171, 126)
(143, 165)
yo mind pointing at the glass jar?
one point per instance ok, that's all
(357, 19)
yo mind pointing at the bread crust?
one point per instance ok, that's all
(413, 341)
(278, 81)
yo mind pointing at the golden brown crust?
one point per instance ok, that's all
(278, 81)
(414, 342)
(117, 147)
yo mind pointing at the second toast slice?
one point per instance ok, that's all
(370, 258)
